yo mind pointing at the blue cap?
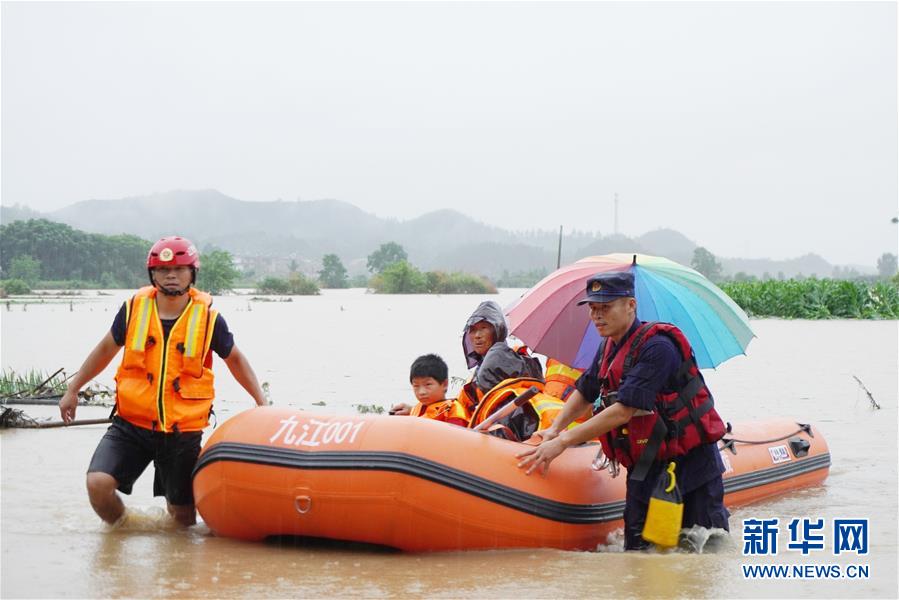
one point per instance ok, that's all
(605, 287)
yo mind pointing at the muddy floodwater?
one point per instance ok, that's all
(328, 353)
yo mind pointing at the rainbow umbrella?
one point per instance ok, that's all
(548, 319)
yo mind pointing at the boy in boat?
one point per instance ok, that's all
(429, 377)
(164, 386)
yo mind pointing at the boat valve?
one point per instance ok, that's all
(303, 504)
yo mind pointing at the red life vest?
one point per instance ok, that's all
(682, 420)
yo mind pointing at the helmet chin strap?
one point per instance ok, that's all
(172, 293)
(167, 292)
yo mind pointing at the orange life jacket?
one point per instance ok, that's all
(465, 404)
(546, 406)
(560, 379)
(437, 411)
(470, 396)
(167, 386)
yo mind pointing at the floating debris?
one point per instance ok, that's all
(365, 409)
(15, 418)
(35, 388)
(870, 396)
(276, 299)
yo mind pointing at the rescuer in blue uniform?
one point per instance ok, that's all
(647, 387)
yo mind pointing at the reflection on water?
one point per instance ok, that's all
(347, 348)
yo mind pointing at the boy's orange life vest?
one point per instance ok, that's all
(167, 386)
(682, 420)
(454, 410)
(438, 411)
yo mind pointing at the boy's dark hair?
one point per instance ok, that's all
(429, 365)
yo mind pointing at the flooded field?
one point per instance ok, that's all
(329, 353)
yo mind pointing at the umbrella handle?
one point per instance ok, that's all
(508, 408)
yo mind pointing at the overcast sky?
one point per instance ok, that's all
(759, 129)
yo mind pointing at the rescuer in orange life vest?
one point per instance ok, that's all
(652, 407)
(164, 385)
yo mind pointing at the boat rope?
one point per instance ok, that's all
(727, 443)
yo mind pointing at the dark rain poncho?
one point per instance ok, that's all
(501, 361)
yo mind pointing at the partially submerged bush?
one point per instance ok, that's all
(403, 278)
(12, 287)
(298, 285)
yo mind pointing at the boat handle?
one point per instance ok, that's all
(303, 504)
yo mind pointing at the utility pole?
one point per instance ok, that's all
(559, 255)
(616, 213)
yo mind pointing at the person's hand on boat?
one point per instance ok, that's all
(67, 406)
(545, 435)
(542, 455)
(401, 409)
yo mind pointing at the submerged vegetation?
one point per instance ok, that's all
(369, 409)
(31, 381)
(37, 387)
(816, 298)
(404, 278)
(296, 285)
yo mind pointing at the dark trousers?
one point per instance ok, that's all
(703, 505)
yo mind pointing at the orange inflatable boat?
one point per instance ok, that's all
(420, 485)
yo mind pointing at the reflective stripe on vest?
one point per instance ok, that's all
(144, 311)
(561, 371)
(560, 379)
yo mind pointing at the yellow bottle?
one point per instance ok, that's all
(666, 511)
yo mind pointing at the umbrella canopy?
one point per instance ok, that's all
(548, 319)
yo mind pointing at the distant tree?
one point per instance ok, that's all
(887, 265)
(108, 281)
(26, 268)
(845, 273)
(69, 254)
(386, 255)
(333, 273)
(217, 272)
(294, 265)
(706, 263)
(400, 278)
(359, 281)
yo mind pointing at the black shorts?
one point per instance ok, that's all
(126, 450)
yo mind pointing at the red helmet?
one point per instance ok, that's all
(173, 251)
